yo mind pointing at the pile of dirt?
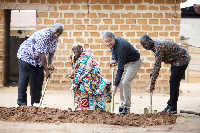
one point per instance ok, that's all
(53, 115)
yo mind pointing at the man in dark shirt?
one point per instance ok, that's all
(169, 53)
(128, 60)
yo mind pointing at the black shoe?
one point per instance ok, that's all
(164, 110)
(125, 111)
(120, 109)
(172, 111)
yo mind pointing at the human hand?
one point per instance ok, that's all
(114, 89)
(152, 87)
(48, 74)
(113, 63)
(71, 76)
(51, 67)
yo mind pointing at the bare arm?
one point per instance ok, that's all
(44, 63)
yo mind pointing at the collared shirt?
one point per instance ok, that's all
(169, 53)
(40, 42)
(123, 52)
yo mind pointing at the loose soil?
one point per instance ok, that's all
(58, 118)
(51, 115)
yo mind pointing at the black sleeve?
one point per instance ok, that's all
(122, 55)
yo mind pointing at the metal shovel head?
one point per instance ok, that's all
(148, 111)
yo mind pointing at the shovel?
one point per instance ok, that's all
(112, 107)
(41, 99)
(150, 111)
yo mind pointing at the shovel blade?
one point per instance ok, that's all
(146, 111)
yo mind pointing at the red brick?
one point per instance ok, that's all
(169, 15)
(77, 34)
(169, 28)
(34, 1)
(114, 27)
(119, 21)
(68, 27)
(94, 34)
(174, 34)
(124, 27)
(164, 8)
(164, 21)
(52, 1)
(136, 15)
(80, 15)
(119, 34)
(62, 21)
(177, 28)
(130, 34)
(69, 15)
(98, 41)
(95, 21)
(96, 7)
(103, 27)
(75, 7)
(41, 27)
(153, 8)
(65, 7)
(80, 40)
(130, 7)
(128, 15)
(135, 27)
(153, 21)
(43, 2)
(157, 15)
(142, 21)
(146, 27)
(96, 53)
(125, 1)
(102, 15)
(118, 7)
(105, 59)
(139, 34)
(130, 21)
(42, 14)
(53, 15)
(91, 15)
(21, 1)
(80, 27)
(77, 1)
(86, 21)
(115, 15)
(175, 21)
(146, 15)
(157, 28)
(113, 1)
(68, 40)
(94, 46)
(77, 21)
(99, 2)
(159, 1)
(107, 21)
(163, 34)
(177, 8)
(107, 7)
(48, 22)
(149, 1)
(58, 64)
(141, 7)
(91, 27)
(137, 1)
(153, 34)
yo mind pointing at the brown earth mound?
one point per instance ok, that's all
(51, 115)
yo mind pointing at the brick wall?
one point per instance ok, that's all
(129, 19)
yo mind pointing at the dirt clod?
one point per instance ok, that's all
(57, 116)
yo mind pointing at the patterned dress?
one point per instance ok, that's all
(94, 90)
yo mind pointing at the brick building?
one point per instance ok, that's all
(84, 22)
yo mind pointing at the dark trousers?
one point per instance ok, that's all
(177, 73)
(36, 76)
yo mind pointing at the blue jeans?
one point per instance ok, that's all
(36, 76)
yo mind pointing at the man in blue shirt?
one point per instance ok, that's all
(128, 60)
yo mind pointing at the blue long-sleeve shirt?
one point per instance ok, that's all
(123, 52)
